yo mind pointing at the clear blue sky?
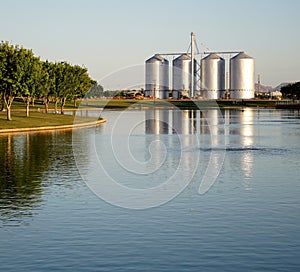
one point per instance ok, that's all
(108, 35)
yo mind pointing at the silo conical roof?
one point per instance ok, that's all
(212, 56)
(183, 57)
(156, 57)
(242, 55)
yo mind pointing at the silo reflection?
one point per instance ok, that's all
(157, 121)
(241, 125)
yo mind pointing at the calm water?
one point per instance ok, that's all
(248, 220)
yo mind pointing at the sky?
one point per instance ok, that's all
(114, 35)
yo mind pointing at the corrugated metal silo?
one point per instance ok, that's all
(157, 77)
(181, 75)
(212, 76)
(242, 76)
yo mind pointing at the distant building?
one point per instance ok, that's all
(276, 95)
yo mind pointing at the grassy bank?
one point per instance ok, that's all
(125, 103)
(18, 104)
(182, 104)
(39, 119)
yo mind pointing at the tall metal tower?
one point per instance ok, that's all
(192, 91)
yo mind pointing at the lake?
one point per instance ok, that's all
(154, 190)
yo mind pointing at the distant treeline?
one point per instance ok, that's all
(291, 91)
(22, 74)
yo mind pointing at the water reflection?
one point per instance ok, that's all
(27, 159)
(215, 129)
(20, 182)
(241, 129)
(243, 125)
(157, 121)
(205, 122)
(245, 131)
(185, 122)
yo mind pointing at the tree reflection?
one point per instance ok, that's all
(26, 159)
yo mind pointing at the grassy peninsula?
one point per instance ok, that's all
(38, 118)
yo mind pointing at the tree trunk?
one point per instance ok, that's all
(55, 105)
(8, 114)
(32, 101)
(63, 102)
(46, 107)
(2, 102)
(75, 102)
(8, 99)
(27, 107)
(46, 102)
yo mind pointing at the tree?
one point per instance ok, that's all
(47, 83)
(58, 83)
(25, 75)
(82, 83)
(1, 90)
(291, 91)
(31, 67)
(2, 101)
(95, 91)
(70, 82)
(66, 83)
(11, 73)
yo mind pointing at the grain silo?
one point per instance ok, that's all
(212, 76)
(181, 76)
(241, 76)
(157, 77)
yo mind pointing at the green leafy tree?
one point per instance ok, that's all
(291, 91)
(1, 101)
(95, 91)
(11, 74)
(25, 75)
(47, 83)
(58, 83)
(1, 87)
(67, 84)
(30, 84)
(71, 82)
(82, 83)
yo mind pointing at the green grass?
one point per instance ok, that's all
(37, 116)
(109, 104)
(38, 119)
(125, 103)
(182, 104)
(247, 103)
(18, 103)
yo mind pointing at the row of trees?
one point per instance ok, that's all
(22, 74)
(291, 91)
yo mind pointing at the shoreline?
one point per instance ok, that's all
(49, 128)
(190, 104)
(148, 104)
